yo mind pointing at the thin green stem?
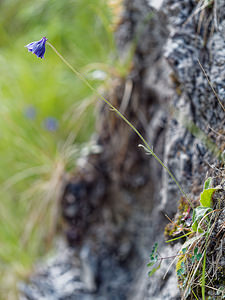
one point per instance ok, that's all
(82, 78)
(194, 294)
(203, 276)
(179, 237)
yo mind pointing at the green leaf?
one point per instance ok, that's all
(154, 250)
(206, 197)
(208, 183)
(198, 256)
(193, 259)
(195, 251)
(153, 256)
(184, 250)
(181, 271)
(154, 270)
(195, 226)
(198, 214)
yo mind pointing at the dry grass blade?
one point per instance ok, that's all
(201, 6)
(217, 97)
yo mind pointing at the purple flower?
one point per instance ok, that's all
(51, 124)
(37, 48)
(30, 112)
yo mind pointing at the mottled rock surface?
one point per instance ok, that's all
(115, 203)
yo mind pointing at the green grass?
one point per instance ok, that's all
(33, 159)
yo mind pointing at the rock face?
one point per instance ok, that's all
(114, 206)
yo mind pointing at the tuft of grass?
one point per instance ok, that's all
(196, 275)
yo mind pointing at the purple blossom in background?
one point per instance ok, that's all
(37, 48)
(51, 124)
(30, 112)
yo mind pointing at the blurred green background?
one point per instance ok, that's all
(46, 115)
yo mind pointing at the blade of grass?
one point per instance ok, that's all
(179, 237)
(203, 276)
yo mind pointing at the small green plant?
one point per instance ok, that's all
(196, 256)
(156, 260)
(202, 210)
(194, 268)
(182, 270)
(191, 260)
(180, 267)
(154, 263)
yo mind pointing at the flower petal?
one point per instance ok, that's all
(38, 48)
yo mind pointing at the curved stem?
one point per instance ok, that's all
(82, 78)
